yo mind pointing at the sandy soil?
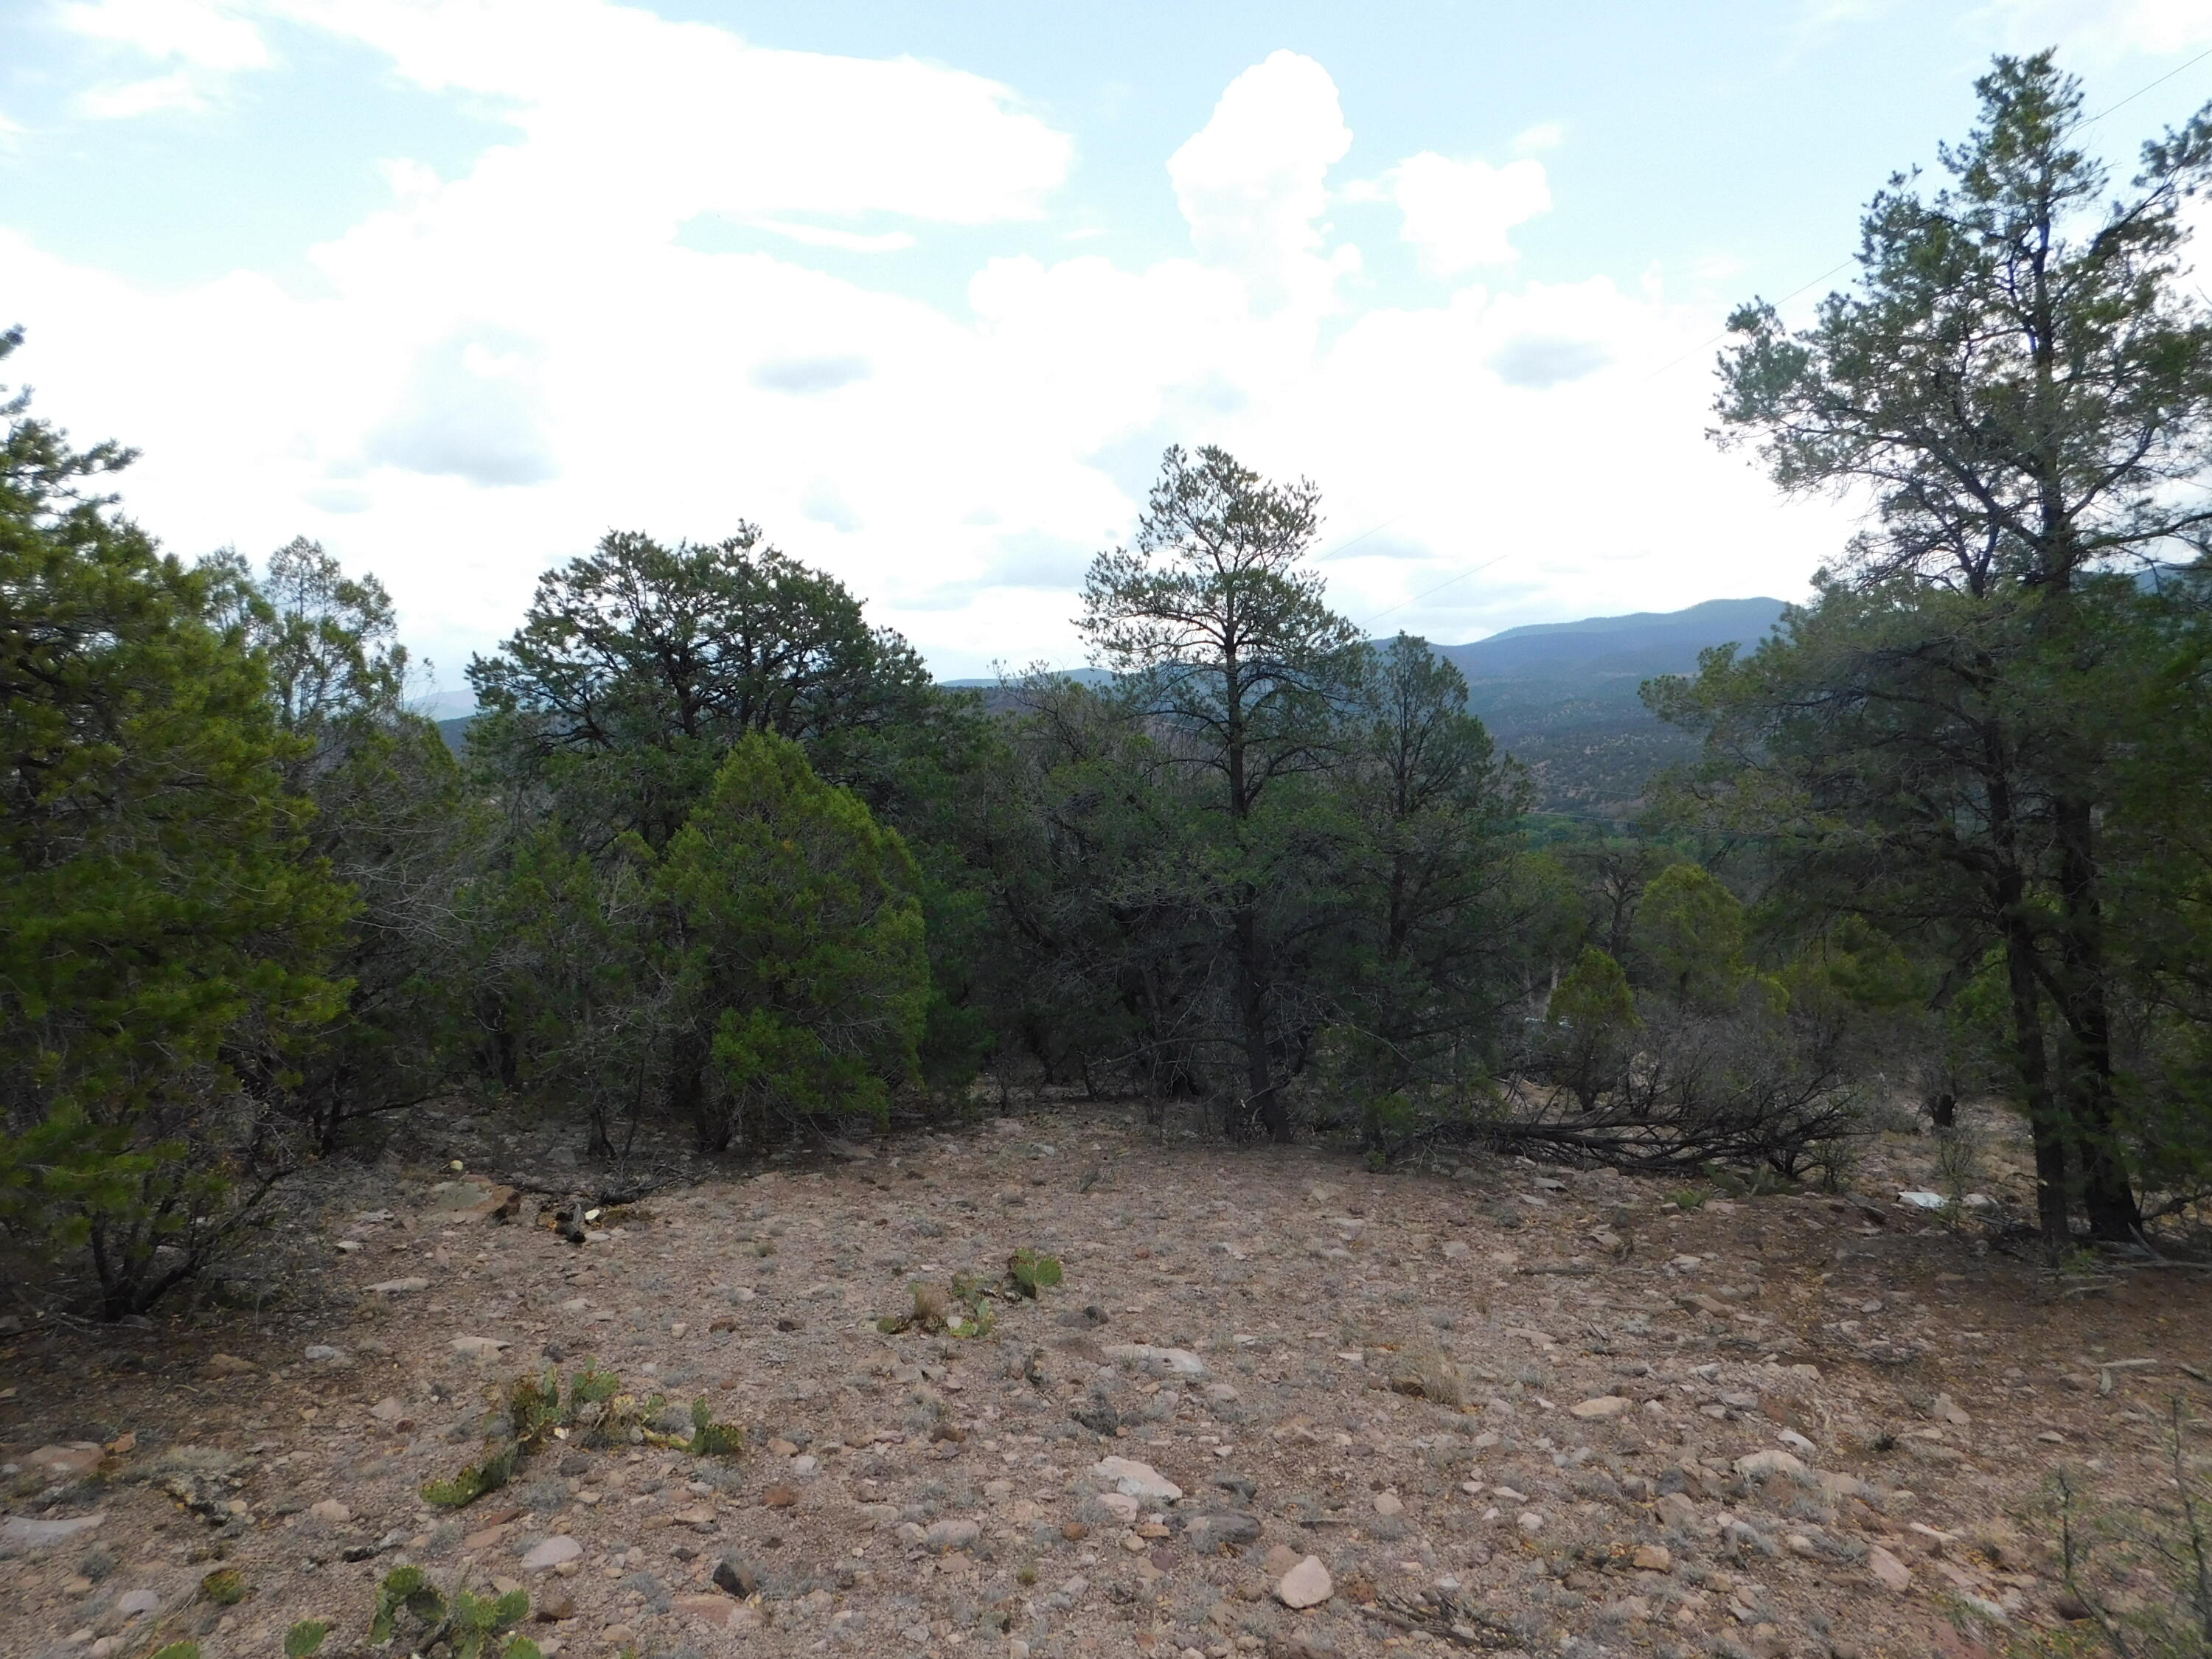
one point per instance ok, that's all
(1602, 1362)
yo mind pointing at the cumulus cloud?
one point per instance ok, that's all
(495, 368)
(208, 41)
(1459, 215)
(471, 411)
(1253, 182)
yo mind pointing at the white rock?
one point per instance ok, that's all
(20, 1532)
(400, 1286)
(1604, 1406)
(478, 1348)
(1389, 1503)
(1139, 1480)
(551, 1553)
(330, 1512)
(1122, 1507)
(1305, 1585)
(1156, 1362)
(1796, 1441)
(139, 1603)
(1529, 1521)
(1761, 1464)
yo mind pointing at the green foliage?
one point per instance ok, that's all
(592, 1410)
(225, 1587)
(1689, 937)
(710, 1438)
(801, 943)
(1590, 1024)
(176, 1651)
(1027, 1272)
(488, 1473)
(304, 1638)
(162, 940)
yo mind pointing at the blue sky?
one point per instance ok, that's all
(456, 285)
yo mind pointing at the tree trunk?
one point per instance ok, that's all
(2046, 1123)
(2108, 1197)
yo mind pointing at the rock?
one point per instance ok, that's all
(944, 1536)
(553, 1607)
(1796, 1442)
(1946, 1410)
(457, 1203)
(330, 1512)
(1389, 1503)
(1652, 1558)
(880, 1515)
(1529, 1521)
(1140, 1480)
(1279, 1560)
(1761, 1465)
(1305, 1585)
(737, 1576)
(139, 1603)
(1156, 1362)
(226, 1364)
(71, 1463)
(1221, 1393)
(19, 1533)
(780, 1497)
(399, 1287)
(1891, 1572)
(699, 1516)
(1604, 1406)
(322, 1353)
(1119, 1504)
(714, 1611)
(1208, 1533)
(1074, 1531)
(551, 1553)
(390, 1409)
(478, 1348)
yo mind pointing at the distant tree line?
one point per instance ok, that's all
(721, 854)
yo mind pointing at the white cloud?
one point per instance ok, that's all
(1253, 182)
(498, 366)
(1459, 215)
(1545, 135)
(200, 33)
(179, 89)
(2101, 29)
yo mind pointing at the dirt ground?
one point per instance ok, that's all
(1595, 1367)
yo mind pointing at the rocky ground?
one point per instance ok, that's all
(1278, 1405)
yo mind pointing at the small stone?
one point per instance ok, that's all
(553, 1607)
(1760, 1465)
(1389, 1503)
(390, 1409)
(1074, 1531)
(780, 1497)
(1280, 1559)
(736, 1576)
(1604, 1406)
(1151, 1361)
(1305, 1585)
(478, 1348)
(330, 1512)
(700, 1516)
(399, 1287)
(226, 1364)
(70, 1462)
(1529, 1521)
(1139, 1480)
(551, 1553)
(714, 1611)
(1676, 1511)
(20, 1532)
(618, 1636)
(139, 1603)
(1119, 1504)
(322, 1353)
(944, 1536)
(1652, 1558)
(1796, 1443)
(1208, 1533)
(1893, 1573)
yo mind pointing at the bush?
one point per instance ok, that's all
(802, 961)
(162, 942)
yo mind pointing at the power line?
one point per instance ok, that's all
(1438, 588)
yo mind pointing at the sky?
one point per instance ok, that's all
(455, 287)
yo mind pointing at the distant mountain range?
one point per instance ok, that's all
(1560, 697)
